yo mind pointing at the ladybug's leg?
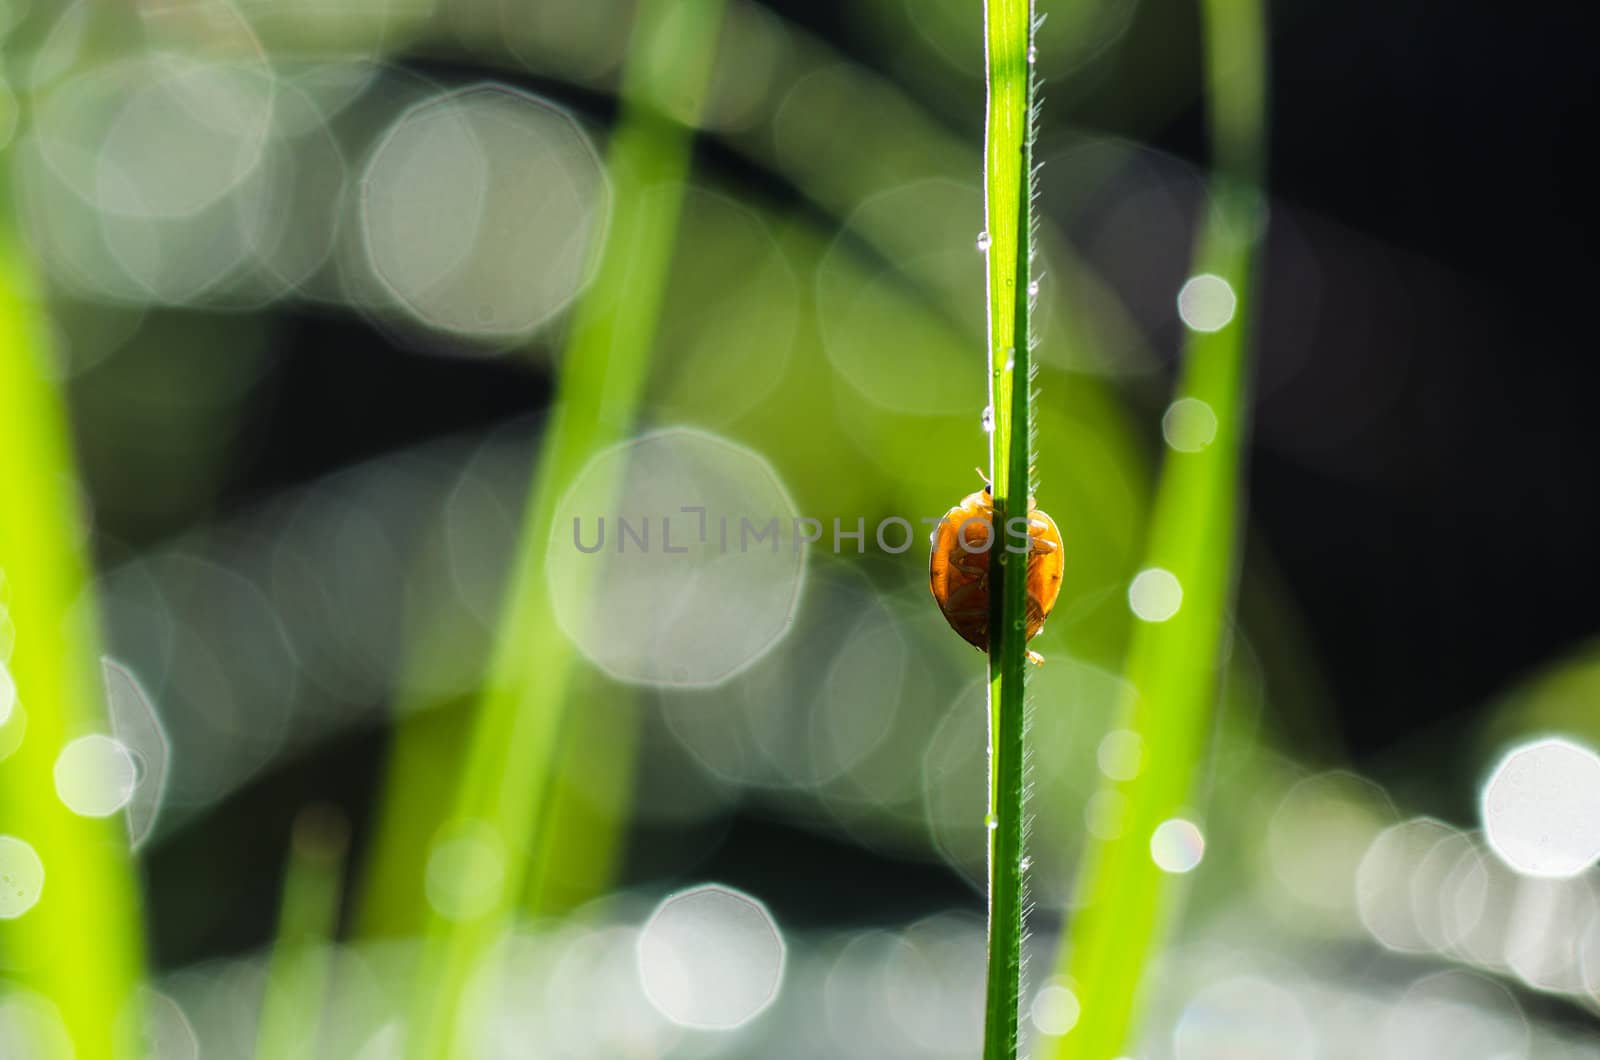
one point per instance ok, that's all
(972, 564)
(959, 597)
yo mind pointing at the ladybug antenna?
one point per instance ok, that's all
(985, 478)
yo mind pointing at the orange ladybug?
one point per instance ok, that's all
(958, 570)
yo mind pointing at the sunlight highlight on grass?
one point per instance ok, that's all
(1174, 659)
(506, 786)
(80, 945)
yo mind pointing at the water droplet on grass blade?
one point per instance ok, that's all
(95, 775)
(21, 877)
(1207, 302)
(988, 418)
(1177, 846)
(1155, 594)
(1055, 1010)
(8, 689)
(1189, 425)
(983, 242)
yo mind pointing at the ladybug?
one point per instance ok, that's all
(958, 569)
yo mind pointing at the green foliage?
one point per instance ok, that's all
(496, 770)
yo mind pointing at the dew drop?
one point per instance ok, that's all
(22, 875)
(1033, 289)
(983, 242)
(1177, 846)
(991, 822)
(988, 418)
(1033, 54)
(710, 959)
(95, 775)
(1025, 864)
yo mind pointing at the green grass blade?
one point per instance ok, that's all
(1173, 666)
(1173, 672)
(298, 972)
(80, 946)
(1008, 176)
(506, 783)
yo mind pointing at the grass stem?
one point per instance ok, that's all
(507, 783)
(298, 971)
(1008, 239)
(88, 890)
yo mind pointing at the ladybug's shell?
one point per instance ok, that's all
(959, 574)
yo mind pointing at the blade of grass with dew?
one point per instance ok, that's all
(505, 786)
(298, 970)
(1008, 202)
(1173, 665)
(80, 945)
